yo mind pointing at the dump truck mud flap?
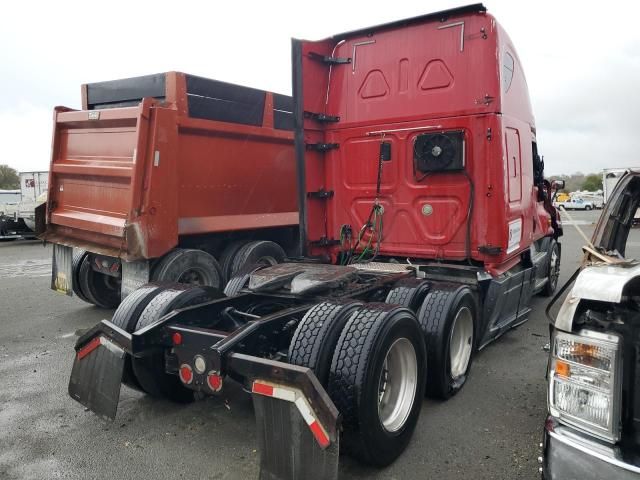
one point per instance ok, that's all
(97, 371)
(61, 269)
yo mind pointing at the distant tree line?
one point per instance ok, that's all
(591, 182)
(9, 179)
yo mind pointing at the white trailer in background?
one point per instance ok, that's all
(34, 186)
(18, 207)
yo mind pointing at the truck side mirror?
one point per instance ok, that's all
(557, 184)
(385, 151)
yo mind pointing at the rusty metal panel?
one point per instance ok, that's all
(134, 275)
(62, 270)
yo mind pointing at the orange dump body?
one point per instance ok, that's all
(153, 159)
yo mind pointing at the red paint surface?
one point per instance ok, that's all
(211, 176)
(406, 81)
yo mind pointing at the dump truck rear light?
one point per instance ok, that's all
(295, 396)
(186, 374)
(214, 381)
(176, 338)
(199, 364)
(89, 347)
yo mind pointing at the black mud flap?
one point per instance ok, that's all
(97, 376)
(289, 449)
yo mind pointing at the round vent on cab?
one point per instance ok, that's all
(439, 152)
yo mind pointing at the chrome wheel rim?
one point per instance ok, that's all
(461, 342)
(397, 385)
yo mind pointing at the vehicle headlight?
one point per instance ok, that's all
(584, 378)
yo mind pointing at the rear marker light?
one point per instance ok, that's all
(89, 347)
(214, 381)
(186, 374)
(176, 338)
(295, 396)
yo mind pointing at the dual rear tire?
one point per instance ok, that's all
(144, 307)
(376, 375)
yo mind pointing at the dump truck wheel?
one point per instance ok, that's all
(316, 336)
(191, 267)
(227, 257)
(553, 270)
(150, 370)
(100, 289)
(409, 293)
(377, 381)
(126, 317)
(261, 252)
(448, 317)
(76, 261)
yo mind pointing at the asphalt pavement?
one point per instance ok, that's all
(490, 430)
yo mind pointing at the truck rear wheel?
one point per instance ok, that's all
(191, 267)
(448, 317)
(316, 336)
(126, 317)
(409, 293)
(227, 257)
(262, 252)
(100, 289)
(150, 370)
(377, 381)
(76, 262)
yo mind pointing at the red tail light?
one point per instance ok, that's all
(176, 338)
(186, 374)
(214, 381)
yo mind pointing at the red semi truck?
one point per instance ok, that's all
(168, 177)
(426, 227)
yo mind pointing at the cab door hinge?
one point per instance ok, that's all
(322, 147)
(322, 117)
(321, 194)
(329, 60)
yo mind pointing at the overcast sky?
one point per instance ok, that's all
(582, 61)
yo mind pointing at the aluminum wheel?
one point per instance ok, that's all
(461, 342)
(397, 385)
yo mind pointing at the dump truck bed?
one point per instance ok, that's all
(151, 159)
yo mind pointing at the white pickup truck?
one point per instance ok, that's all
(576, 204)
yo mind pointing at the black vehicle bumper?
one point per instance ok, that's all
(569, 455)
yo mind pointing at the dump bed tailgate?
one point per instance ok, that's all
(96, 179)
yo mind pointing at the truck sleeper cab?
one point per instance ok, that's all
(426, 227)
(168, 177)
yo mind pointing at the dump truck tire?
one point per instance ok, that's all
(262, 252)
(448, 318)
(408, 294)
(100, 289)
(190, 267)
(377, 381)
(76, 261)
(150, 370)
(317, 334)
(553, 270)
(126, 317)
(227, 257)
